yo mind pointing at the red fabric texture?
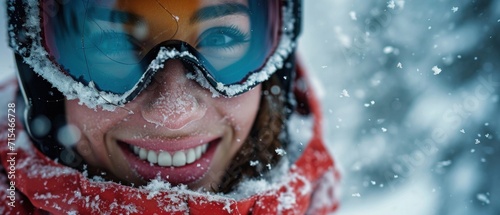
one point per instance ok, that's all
(44, 186)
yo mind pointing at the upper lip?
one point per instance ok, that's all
(169, 145)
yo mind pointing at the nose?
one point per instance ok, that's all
(172, 99)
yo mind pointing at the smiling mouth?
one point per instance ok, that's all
(179, 162)
(170, 159)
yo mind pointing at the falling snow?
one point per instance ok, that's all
(436, 70)
(352, 14)
(344, 93)
(280, 152)
(388, 49)
(483, 198)
(391, 4)
(417, 109)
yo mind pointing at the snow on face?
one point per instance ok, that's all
(36, 56)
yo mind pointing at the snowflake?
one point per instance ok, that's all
(344, 93)
(436, 70)
(391, 4)
(352, 14)
(280, 152)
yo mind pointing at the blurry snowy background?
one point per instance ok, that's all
(410, 93)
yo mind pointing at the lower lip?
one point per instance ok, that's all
(176, 175)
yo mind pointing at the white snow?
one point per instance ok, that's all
(391, 4)
(254, 163)
(436, 70)
(352, 14)
(344, 93)
(280, 152)
(325, 39)
(444, 163)
(483, 198)
(388, 49)
(287, 200)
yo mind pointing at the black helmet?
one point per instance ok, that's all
(44, 95)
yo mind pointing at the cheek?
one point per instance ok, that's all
(93, 121)
(242, 111)
(93, 124)
(88, 120)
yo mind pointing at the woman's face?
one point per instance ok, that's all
(175, 129)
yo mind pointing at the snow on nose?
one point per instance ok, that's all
(174, 110)
(173, 104)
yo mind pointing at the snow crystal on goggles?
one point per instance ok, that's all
(106, 52)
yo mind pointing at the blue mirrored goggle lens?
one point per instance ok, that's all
(112, 43)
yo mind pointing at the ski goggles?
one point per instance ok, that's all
(107, 52)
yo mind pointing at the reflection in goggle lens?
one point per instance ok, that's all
(111, 43)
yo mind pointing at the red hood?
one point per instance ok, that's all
(45, 185)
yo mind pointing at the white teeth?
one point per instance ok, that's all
(164, 159)
(179, 158)
(152, 156)
(198, 151)
(143, 154)
(190, 156)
